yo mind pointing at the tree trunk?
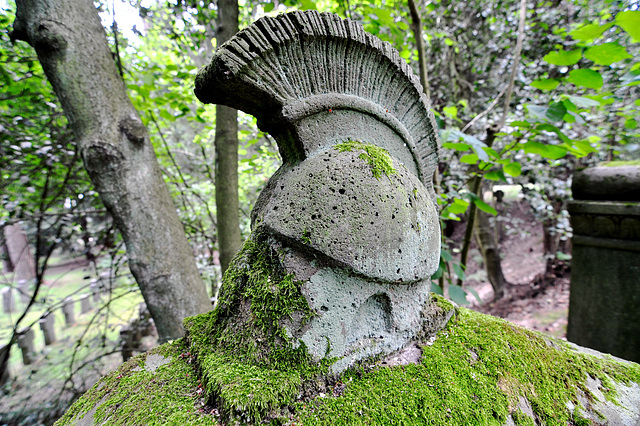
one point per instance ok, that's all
(19, 256)
(486, 238)
(227, 205)
(115, 147)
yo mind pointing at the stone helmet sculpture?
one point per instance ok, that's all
(359, 147)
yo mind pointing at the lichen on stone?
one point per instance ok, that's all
(378, 158)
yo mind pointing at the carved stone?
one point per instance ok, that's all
(605, 290)
(364, 242)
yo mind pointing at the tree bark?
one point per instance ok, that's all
(115, 147)
(226, 145)
(19, 255)
(490, 250)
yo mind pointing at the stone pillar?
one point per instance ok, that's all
(85, 304)
(47, 325)
(95, 291)
(68, 311)
(7, 300)
(27, 345)
(604, 305)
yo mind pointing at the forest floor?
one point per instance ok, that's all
(534, 300)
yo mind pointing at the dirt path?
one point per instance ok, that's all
(536, 302)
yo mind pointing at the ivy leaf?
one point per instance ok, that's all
(556, 111)
(563, 57)
(607, 53)
(513, 169)
(630, 22)
(545, 83)
(586, 78)
(589, 32)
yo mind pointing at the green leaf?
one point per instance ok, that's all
(484, 206)
(458, 146)
(521, 124)
(585, 78)
(495, 176)
(457, 268)
(446, 255)
(589, 32)
(582, 102)
(545, 83)
(458, 295)
(307, 5)
(551, 128)
(630, 22)
(513, 169)
(556, 111)
(458, 206)
(476, 144)
(269, 7)
(607, 53)
(435, 288)
(469, 159)
(451, 112)
(552, 152)
(631, 124)
(537, 112)
(563, 256)
(563, 57)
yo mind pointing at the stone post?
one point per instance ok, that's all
(24, 291)
(604, 303)
(8, 304)
(27, 345)
(95, 291)
(47, 325)
(85, 304)
(68, 311)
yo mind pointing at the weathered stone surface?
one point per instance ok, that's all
(309, 77)
(605, 290)
(611, 182)
(383, 228)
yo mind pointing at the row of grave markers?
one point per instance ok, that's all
(26, 338)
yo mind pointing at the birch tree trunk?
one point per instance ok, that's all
(72, 48)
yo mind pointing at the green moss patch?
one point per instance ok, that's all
(378, 158)
(131, 395)
(248, 363)
(474, 373)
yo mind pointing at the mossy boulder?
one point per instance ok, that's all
(476, 370)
